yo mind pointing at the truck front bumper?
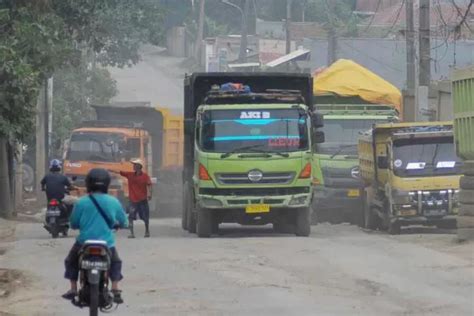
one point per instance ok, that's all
(341, 199)
(447, 220)
(223, 202)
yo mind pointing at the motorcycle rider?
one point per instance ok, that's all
(93, 226)
(56, 184)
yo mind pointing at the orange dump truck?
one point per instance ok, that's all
(124, 131)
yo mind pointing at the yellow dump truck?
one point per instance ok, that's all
(410, 175)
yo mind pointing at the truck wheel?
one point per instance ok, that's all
(466, 197)
(394, 228)
(303, 222)
(370, 219)
(466, 210)
(204, 223)
(184, 212)
(191, 221)
(467, 182)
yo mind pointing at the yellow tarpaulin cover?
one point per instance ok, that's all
(347, 78)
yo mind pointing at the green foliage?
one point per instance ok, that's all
(39, 37)
(75, 88)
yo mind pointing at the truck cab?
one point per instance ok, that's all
(336, 161)
(252, 155)
(411, 175)
(106, 145)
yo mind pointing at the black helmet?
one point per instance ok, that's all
(97, 180)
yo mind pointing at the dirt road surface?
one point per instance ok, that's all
(157, 78)
(339, 270)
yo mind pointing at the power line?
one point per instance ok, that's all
(396, 19)
(373, 16)
(463, 15)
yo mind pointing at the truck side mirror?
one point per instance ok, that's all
(317, 120)
(318, 137)
(382, 162)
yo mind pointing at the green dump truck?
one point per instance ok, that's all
(463, 101)
(336, 163)
(248, 151)
(352, 99)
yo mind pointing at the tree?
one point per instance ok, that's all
(39, 37)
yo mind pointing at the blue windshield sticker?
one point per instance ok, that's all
(252, 137)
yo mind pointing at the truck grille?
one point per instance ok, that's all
(268, 178)
(254, 191)
(340, 177)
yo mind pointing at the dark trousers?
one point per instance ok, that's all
(141, 209)
(72, 264)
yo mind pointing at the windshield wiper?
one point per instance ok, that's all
(341, 148)
(253, 149)
(236, 150)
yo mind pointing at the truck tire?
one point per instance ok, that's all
(468, 168)
(466, 197)
(371, 219)
(465, 222)
(466, 210)
(303, 222)
(467, 182)
(204, 223)
(465, 234)
(184, 213)
(191, 220)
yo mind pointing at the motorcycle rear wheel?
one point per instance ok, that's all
(94, 299)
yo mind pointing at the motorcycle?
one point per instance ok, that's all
(57, 218)
(94, 265)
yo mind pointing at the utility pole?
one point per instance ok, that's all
(425, 61)
(41, 136)
(49, 113)
(332, 36)
(288, 25)
(410, 47)
(6, 207)
(198, 48)
(244, 32)
(19, 176)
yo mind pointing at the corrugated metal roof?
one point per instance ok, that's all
(297, 54)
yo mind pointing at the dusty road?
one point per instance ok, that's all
(157, 78)
(339, 270)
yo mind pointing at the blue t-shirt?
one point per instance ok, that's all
(86, 217)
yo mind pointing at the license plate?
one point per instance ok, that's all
(353, 193)
(52, 220)
(53, 213)
(101, 265)
(407, 212)
(257, 208)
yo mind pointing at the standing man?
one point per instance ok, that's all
(139, 193)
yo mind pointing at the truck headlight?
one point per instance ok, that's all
(298, 200)
(206, 202)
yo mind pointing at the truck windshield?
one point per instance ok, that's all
(92, 146)
(342, 136)
(269, 130)
(428, 157)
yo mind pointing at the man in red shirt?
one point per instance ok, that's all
(139, 193)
